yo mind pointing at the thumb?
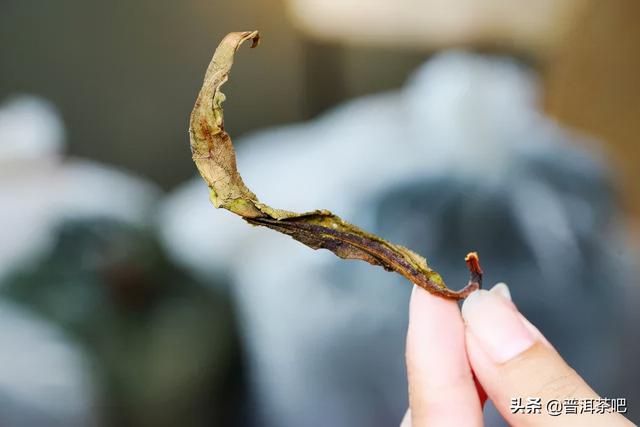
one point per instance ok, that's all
(515, 364)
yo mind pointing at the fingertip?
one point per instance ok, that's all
(493, 319)
(512, 359)
(434, 322)
(437, 366)
(424, 305)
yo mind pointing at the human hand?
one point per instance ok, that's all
(455, 361)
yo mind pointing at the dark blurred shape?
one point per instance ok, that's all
(162, 346)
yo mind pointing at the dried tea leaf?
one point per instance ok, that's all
(215, 159)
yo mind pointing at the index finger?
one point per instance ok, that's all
(442, 391)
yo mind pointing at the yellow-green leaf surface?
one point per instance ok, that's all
(215, 159)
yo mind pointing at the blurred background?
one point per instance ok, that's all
(127, 299)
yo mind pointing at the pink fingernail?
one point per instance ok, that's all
(496, 325)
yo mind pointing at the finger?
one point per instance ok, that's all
(512, 360)
(442, 391)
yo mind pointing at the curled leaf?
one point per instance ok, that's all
(215, 159)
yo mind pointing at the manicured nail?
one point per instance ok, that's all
(494, 321)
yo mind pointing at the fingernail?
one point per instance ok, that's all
(502, 289)
(493, 320)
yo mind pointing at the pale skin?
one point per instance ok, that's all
(456, 360)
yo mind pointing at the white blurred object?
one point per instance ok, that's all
(438, 23)
(30, 128)
(44, 378)
(38, 189)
